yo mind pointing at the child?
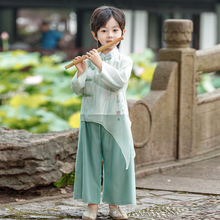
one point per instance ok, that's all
(104, 132)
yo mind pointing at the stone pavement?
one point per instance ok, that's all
(202, 177)
(191, 192)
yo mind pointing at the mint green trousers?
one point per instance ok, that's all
(95, 145)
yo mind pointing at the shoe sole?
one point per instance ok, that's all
(119, 218)
(86, 218)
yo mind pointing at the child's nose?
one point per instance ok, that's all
(110, 34)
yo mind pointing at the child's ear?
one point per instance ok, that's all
(94, 35)
(123, 33)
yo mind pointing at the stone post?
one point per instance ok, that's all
(178, 36)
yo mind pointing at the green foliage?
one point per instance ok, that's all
(137, 88)
(35, 92)
(65, 180)
(142, 74)
(209, 82)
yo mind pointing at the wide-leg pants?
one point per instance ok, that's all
(95, 145)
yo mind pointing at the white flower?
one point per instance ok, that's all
(33, 80)
(138, 70)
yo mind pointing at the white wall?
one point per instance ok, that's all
(208, 30)
(125, 47)
(140, 30)
(136, 36)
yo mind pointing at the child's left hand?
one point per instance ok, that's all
(94, 56)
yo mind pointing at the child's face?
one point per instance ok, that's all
(108, 33)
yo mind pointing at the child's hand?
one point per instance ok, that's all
(81, 67)
(94, 56)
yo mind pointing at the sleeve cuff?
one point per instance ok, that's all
(81, 79)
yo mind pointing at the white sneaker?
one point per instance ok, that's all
(90, 214)
(117, 213)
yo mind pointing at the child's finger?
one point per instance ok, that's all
(81, 57)
(89, 54)
(92, 53)
(76, 58)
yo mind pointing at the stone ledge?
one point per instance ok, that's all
(28, 160)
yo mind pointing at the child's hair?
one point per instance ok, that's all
(102, 15)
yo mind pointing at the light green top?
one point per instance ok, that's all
(104, 97)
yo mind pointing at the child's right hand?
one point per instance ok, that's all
(81, 67)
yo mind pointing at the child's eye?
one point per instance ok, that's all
(103, 31)
(115, 30)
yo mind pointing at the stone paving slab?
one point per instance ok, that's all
(172, 183)
(202, 177)
(151, 204)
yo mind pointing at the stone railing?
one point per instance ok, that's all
(170, 123)
(207, 134)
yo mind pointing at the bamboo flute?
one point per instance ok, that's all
(99, 50)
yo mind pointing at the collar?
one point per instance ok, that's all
(111, 53)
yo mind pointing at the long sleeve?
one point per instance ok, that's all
(116, 78)
(78, 84)
(104, 98)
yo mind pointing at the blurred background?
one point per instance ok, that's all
(22, 20)
(35, 89)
